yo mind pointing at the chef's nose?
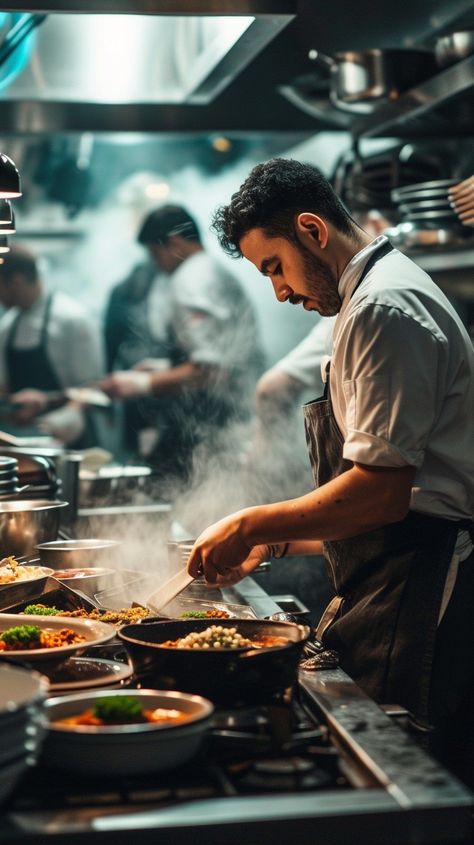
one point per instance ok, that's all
(282, 292)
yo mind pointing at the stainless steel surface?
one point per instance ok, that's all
(63, 554)
(25, 523)
(165, 7)
(418, 102)
(453, 47)
(68, 467)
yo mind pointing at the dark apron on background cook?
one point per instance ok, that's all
(389, 582)
(31, 367)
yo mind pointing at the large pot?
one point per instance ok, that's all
(227, 677)
(24, 524)
(359, 81)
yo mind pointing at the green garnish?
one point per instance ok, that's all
(121, 708)
(194, 614)
(41, 610)
(21, 635)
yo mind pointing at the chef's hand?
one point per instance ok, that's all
(65, 424)
(220, 552)
(152, 365)
(126, 384)
(30, 404)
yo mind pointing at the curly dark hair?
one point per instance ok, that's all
(273, 193)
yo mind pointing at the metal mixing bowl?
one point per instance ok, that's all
(66, 554)
(25, 523)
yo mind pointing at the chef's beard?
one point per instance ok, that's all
(322, 284)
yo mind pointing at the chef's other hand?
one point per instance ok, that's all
(29, 404)
(126, 384)
(219, 549)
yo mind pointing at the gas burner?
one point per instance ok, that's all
(284, 774)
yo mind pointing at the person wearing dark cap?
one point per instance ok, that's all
(215, 328)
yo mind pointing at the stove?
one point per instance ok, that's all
(328, 766)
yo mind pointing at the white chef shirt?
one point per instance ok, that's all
(303, 362)
(212, 316)
(73, 343)
(402, 381)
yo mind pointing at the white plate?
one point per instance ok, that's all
(88, 672)
(95, 633)
(19, 688)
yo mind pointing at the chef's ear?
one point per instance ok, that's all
(312, 226)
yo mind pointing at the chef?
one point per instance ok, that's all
(214, 326)
(391, 445)
(47, 343)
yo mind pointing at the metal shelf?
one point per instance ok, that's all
(412, 112)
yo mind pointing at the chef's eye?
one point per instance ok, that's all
(276, 270)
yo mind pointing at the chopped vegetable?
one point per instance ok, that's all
(21, 635)
(120, 708)
(213, 637)
(205, 614)
(41, 610)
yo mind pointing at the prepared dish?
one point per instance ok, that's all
(11, 572)
(25, 637)
(123, 710)
(206, 614)
(124, 616)
(216, 637)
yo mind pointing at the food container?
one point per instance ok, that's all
(26, 575)
(65, 554)
(90, 580)
(25, 523)
(226, 676)
(111, 484)
(135, 749)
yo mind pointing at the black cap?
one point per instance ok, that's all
(166, 221)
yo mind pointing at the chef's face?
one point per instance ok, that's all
(8, 292)
(167, 257)
(298, 272)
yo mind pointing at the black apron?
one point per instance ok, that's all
(388, 582)
(31, 367)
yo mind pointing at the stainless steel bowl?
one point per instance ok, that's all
(88, 580)
(25, 523)
(66, 554)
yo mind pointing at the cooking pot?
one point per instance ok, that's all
(64, 554)
(226, 676)
(24, 523)
(453, 47)
(111, 483)
(359, 81)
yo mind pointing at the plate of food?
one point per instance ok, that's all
(123, 616)
(12, 572)
(47, 639)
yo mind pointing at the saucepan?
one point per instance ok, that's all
(359, 81)
(226, 676)
(24, 523)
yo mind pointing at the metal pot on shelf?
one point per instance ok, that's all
(25, 523)
(361, 80)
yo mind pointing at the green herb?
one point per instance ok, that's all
(120, 708)
(41, 610)
(21, 634)
(194, 614)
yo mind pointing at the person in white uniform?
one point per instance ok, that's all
(392, 449)
(47, 343)
(215, 327)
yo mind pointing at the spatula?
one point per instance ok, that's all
(169, 590)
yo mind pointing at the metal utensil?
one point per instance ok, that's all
(169, 590)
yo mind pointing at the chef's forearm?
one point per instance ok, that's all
(359, 500)
(188, 373)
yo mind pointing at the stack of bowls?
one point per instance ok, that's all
(426, 204)
(22, 723)
(8, 477)
(39, 474)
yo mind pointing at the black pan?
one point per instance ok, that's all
(226, 676)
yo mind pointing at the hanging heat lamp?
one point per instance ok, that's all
(9, 178)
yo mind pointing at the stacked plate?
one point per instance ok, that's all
(8, 477)
(427, 204)
(22, 723)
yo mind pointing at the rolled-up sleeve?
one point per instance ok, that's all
(390, 372)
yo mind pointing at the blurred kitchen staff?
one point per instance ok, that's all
(47, 343)
(215, 328)
(392, 450)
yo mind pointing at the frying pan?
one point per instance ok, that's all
(226, 676)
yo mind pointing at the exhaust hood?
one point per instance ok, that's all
(137, 58)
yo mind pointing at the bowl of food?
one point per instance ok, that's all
(240, 661)
(67, 554)
(12, 572)
(88, 579)
(48, 640)
(125, 732)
